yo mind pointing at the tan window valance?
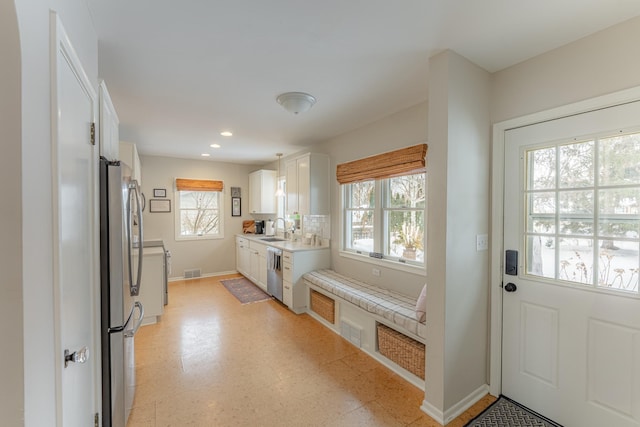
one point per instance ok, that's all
(395, 163)
(198, 185)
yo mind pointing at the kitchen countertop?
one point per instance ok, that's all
(286, 245)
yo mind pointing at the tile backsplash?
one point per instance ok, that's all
(317, 224)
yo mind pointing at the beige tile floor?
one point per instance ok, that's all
(211, 361)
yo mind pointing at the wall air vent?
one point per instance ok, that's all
(193, 273)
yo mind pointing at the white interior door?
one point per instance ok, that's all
(74, 190)
(571, 312)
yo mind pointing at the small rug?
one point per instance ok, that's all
(245, 291)
(505, 412)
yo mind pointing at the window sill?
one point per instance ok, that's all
(192, 238)
(394, 265)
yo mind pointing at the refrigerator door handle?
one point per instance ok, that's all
(134, 287)
(116, 329)
(132, 332)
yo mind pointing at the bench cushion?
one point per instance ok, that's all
(397, 308)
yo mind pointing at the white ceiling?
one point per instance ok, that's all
(180, 72)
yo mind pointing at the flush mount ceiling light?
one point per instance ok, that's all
(296, 102)
(215, 146)
(226, 133)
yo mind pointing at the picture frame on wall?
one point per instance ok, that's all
(159, 205)
(236, 206)
(159, 192)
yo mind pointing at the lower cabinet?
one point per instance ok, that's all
(242, 256)
(294, 265)
(258, 264)
(152, 287)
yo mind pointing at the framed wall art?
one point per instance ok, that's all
(159, 205)
(159, 192)
(236, 206)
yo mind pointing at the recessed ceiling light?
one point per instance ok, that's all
(226, 133)
(215, 146)
(205, 154)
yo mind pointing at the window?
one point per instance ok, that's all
(199, 212)
(386, 218)
(582, 204)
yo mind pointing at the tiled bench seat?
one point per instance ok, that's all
(396, 308)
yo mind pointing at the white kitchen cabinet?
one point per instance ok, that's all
(294, 265)
(262, 192)
(242, 256)
(129, 155)
(308, 184)
(258, 264)
(152, 286)
(109, 123)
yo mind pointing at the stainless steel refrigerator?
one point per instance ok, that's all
(120, 225)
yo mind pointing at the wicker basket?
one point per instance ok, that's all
(402, 350)
(323, 306)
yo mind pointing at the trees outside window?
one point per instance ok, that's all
(386, 217)
(198, 215)
(583, 211)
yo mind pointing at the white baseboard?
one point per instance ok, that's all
(456, 410)
(220, 273)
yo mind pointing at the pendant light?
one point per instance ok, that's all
(279, 192)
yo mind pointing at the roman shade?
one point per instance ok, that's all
(405, 161)
(198, 185)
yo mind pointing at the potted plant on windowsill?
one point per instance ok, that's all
(410, 236)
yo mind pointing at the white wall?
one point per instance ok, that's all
(37, 250)
(403, 129)
(605, 62)
(11, 297)
(211, 256)
(458, 210)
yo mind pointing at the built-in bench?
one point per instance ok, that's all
(364, 307)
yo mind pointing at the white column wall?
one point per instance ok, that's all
(11, 295)
(37, 231)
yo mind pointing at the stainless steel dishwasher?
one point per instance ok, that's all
(274, 272)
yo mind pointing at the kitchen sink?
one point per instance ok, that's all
(272, 239)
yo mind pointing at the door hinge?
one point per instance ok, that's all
(93, 133)
(96, 420)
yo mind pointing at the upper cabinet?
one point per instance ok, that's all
(109, 135)
(308, 184)
(129, 155)
(262, 192)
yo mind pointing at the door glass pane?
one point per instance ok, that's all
(542, 213)
(576, 260)
(576, 212)
(618, 265)
(576, 165)
(541, 165)
(541, 259)
(620, 160)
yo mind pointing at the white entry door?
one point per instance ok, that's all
(74, 193)
(571, 311)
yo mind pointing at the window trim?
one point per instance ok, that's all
(177, 226)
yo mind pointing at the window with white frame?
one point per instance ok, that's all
(385, 218)
(199, 210)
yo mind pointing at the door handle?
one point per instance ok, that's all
(132, 332)
(511, 287)
(79, 356)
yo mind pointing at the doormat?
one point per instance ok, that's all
(244, 290)
(505, 412)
